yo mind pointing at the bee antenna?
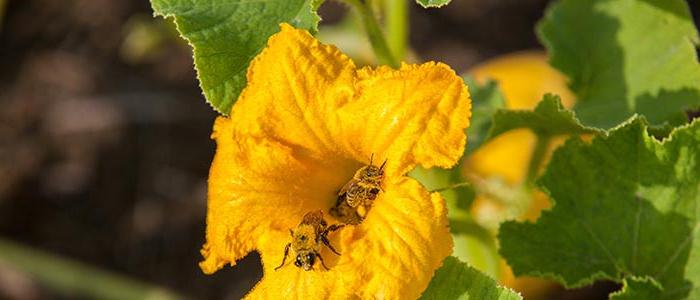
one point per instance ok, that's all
(371, 158)
(383, 164)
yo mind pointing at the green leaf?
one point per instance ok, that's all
(549, 118)
(626, 205)
(624, 57)
(457, 280)
(486, 100)
(227, 34)
(477, 246)
(638, 288)
(433, 3)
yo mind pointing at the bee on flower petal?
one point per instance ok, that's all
(360, 191)
(346, 214)
(307, 238)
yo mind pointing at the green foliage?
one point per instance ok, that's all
(457, 280)
(433, 3)
(626, 205)
(227, 34)
(486, 100)
(638, 288)
(549, 118)
(625, 57)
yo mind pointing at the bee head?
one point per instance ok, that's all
(372, 172)
(379, 170)
(305, 260)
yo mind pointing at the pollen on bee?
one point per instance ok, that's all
(307, 238)
(355, 198)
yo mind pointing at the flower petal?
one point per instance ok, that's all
(293, 86)
(392, 254)
(414, 115)
(251, 180)
(306, 94)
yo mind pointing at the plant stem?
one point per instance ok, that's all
(453, 186)
(397, 27)
(374, 32)
(537, 158)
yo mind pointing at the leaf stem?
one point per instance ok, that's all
(374, 32)
(451, 187)
(537, 158)
(397, 27)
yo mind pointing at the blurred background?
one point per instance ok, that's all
(105, 149)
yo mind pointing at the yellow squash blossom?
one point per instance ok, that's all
(307, 120)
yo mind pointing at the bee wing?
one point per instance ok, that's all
(345, 188)
(313, 218)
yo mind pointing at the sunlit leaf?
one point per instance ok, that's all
(433, 3)
(548, 118)
(626, 205)
(624, 57)
(227, 34)
(638, 288)
(457, 280)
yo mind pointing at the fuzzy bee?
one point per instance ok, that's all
(307, 238)
(346, 214)
(361, 190)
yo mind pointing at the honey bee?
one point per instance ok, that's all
(307, 238)
(362, 189)
(346, 214)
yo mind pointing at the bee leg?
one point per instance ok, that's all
(334, 227)
(321, 259)
(291, 232)
(325, 241)
(286, 252)
(324, 235)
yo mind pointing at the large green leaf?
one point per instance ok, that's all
(626, 205)
(457, 280)
(625, 56)
(227, 34)
(549, 118)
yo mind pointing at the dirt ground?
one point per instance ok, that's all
(104, 138)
